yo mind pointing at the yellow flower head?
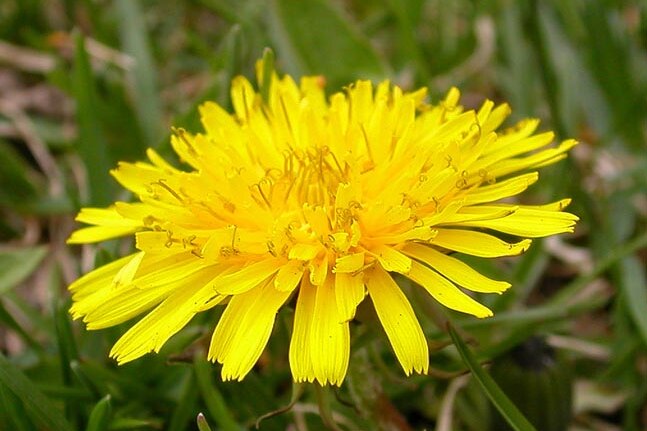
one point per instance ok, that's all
(321, 199)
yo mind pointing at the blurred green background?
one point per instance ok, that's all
(86, 83)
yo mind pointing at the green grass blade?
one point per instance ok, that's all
(36, 404)
(10, 322)
(503, 404)
(92, 145)
(12, 412)
(633, 285)
(101, 415)
(17, 265)
(18, 188)
(212, 397)
(547, 72)
(187, 404)
(132, 29)
(203, 425)
(67, 352)
(316, 38)
(268, 71)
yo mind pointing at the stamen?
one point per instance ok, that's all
(263, 196)
(436, 203)
(149, 220)
(161, 182)
(181, 133)
(271, 248)
(245, 105)
(449, 160)
(461, 183)
(287, 117)
(233, 238)
(339, 168)
(188, 241)
(368, 145)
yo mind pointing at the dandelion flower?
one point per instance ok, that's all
(317, 201)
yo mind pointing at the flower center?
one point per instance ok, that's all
(309, 177)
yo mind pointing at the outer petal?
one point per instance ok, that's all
(455, 270)
(349, 263)
(391, 259)
(243, 330)
(151, 332)
(98, 278)
(530, 222)
(478, 243)
(247, 277)
(445, 292)
(349, 292)
(535, 160)
(318, 270)
(93, 234)
(329, 337)
(399, 321)
(120, 303)
(503, 189)
(108, 224)
(288, 277)
(300, 347)
(128, 271)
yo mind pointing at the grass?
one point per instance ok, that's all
(84, 84)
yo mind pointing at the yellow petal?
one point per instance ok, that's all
(288, 277)
(244, 328)
(455, 270)
(329, 337)
(399, 321)
(349, 292)
(508, 138)
(477, 213)
(127, 272)
(529, 222)
(318, 270)
(349, 263)
(159, 162)
(460, 123)
(520, 146)
(304, 251)
(99, 278)
(94, 234)
(535, 160)
(495, 118)
(151, 332)
(168, 268)
(391, 259)
(478, 243)
(504, 189)
(300, 346)
(445, 292)
(137, 177)
(317, 219)
(121, 304)
(243, 97)
(247, 277)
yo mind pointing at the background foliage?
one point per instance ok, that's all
(86, 83)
